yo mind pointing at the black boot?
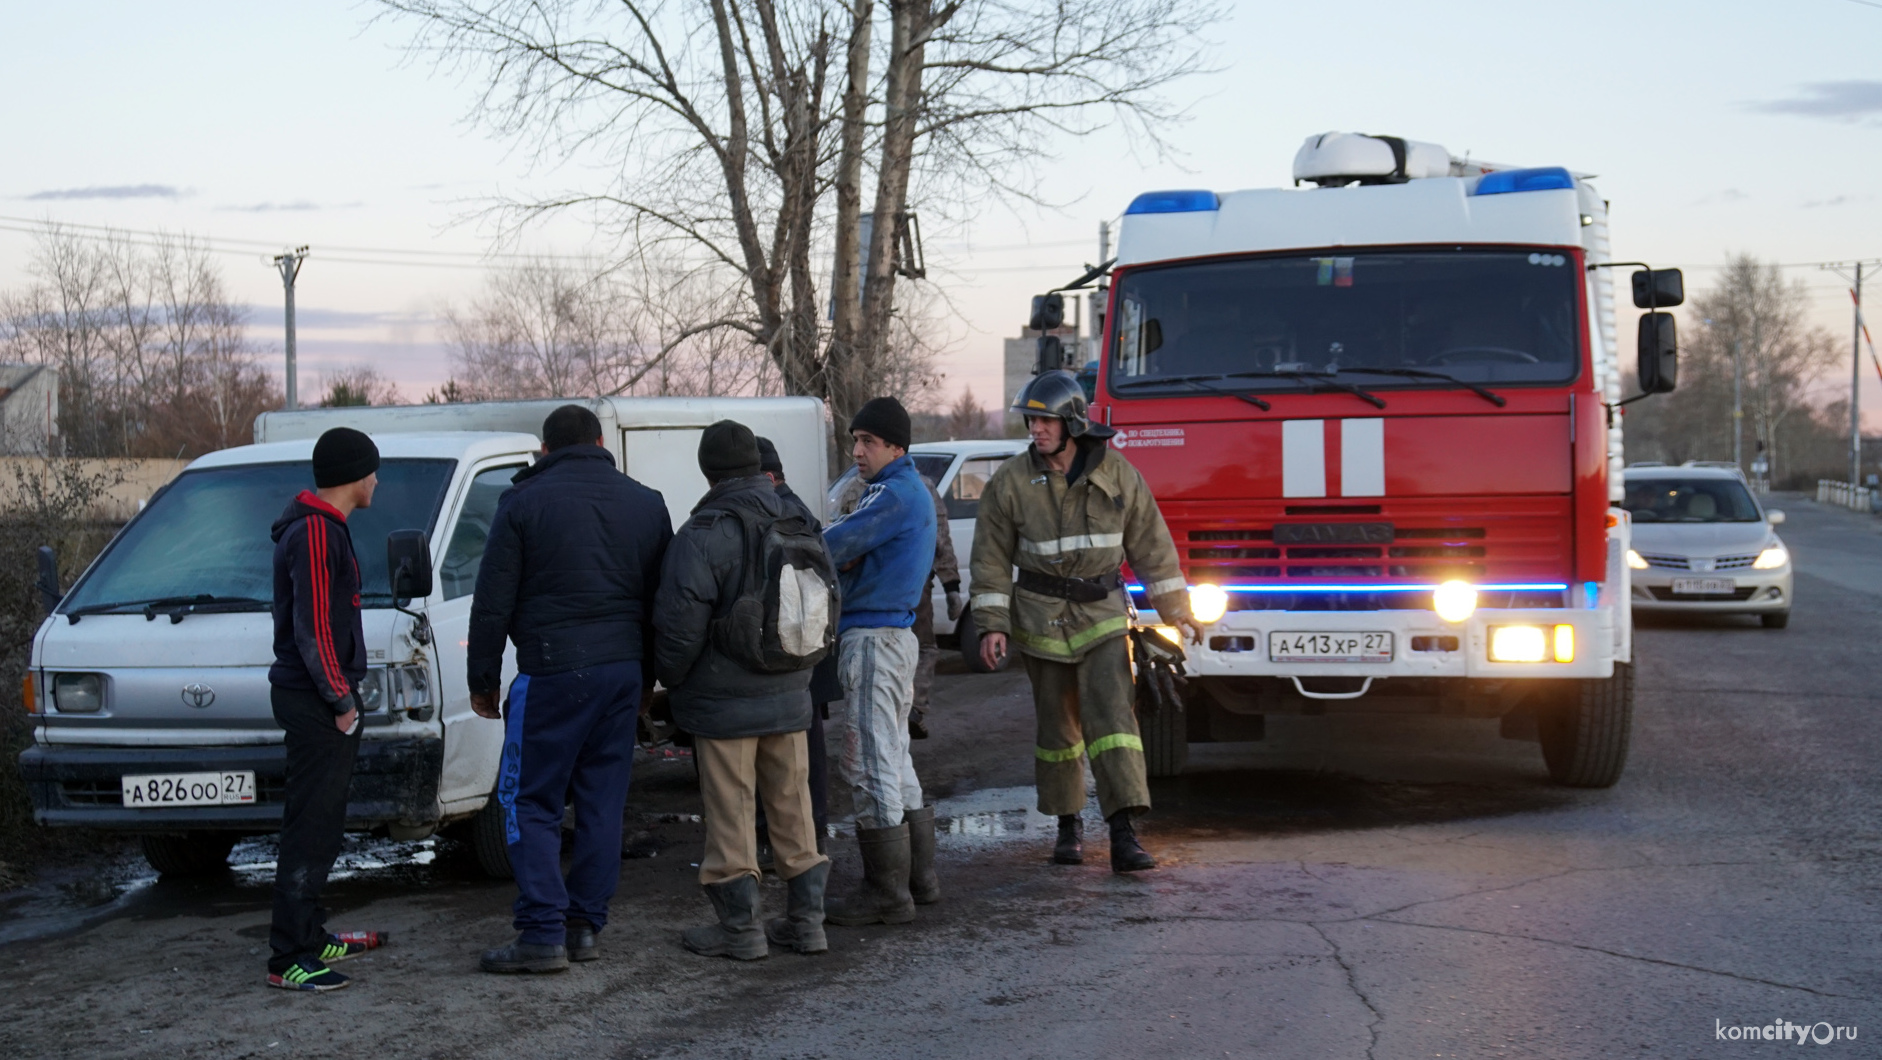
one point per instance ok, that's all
(917, 727)
(521, 957)
(1070, 849)
(883, 898)
(737, 933)
(801, 928)
(923, 885)
(1127, 855)
(581, 940)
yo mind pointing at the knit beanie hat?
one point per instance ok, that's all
(727, 449)
(343, 455)
(768, 459)
(885, 418)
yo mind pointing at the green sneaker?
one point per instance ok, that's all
(310, 975)
(349, 944)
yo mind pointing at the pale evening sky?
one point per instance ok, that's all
(1715, 127)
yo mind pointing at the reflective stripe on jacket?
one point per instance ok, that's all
(1030, 518)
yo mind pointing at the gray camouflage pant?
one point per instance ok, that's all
(877, 665)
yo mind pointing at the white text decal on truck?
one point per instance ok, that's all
(1148, 438)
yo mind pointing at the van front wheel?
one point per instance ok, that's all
(490, 841)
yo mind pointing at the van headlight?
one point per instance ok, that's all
(1208, 603)
(78, 693)
(1454, 601)
(405, 687)
(1771, 558)
(1532, 644)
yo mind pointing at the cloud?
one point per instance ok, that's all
(1838, 200)
(1844, 100)
(297, 206)
(114, 191)
(1728, 195)
(270, 315)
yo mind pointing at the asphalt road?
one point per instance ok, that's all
(1383, 888)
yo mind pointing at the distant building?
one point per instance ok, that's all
(29, 409)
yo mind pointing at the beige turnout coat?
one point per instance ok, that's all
(1029, 517)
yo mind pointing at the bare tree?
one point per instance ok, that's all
(152, 356)
(1753, 322)
(719, 118)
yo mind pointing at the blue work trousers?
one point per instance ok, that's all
(568, 737)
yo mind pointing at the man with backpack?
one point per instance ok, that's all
(568, 576)
(746, 607)
(885, 550)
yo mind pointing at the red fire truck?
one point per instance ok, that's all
(1379, 417)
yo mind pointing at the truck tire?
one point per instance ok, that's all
(1584, 737)
(189, 854)
(1166, 742)
(490, 841)
(970, 645)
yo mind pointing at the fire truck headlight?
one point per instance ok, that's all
(1454, 601)
(1635, 560)
(1518, 644)
(1207, 603)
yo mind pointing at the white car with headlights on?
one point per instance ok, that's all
(1703, 544)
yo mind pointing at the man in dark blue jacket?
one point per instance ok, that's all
(569, 575)
(319, 659)
(885, 550)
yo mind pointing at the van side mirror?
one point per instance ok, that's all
(408, 565)
(48, 581)
(1659, 353)
(1659, 289)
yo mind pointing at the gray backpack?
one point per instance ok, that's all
(784, 615)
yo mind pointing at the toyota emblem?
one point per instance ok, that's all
(198, 695)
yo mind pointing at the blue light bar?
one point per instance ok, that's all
(1548, 178)
(1512, 587)
(1190, 200)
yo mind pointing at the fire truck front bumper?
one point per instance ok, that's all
(1492, 644)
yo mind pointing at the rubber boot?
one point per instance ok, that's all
(737, 933)
(1127, 855)
(801, 928)
(923, 885)
(883, 898)
(1070, 849)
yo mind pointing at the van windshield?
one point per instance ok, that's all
(206, 536)
(1383, 319)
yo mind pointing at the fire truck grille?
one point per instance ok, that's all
(1420, 541)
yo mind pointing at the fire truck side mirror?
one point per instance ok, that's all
(1659, 289)
(1659, 353)
(1048, 312)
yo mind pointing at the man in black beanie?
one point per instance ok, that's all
(320, 657)
(748, 724)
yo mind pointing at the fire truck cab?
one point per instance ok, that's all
(1378, 415)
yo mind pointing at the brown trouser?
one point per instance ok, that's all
(773, 768)
(1086, 709)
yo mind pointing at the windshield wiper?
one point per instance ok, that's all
(1428, 373)
(1201, 382)
(160, 605)
(1326, 379)
(1310, 378)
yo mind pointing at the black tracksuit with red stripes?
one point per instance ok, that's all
(319, 645)
(319, 659)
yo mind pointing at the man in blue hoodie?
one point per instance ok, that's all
(885, 552)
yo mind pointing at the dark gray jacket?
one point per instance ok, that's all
(711, 695)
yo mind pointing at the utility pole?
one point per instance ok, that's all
(1100, 298)
(289, 265)
(1855, 362)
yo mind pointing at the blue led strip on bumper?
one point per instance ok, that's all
(1512, 587)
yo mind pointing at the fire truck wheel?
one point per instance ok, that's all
(489, 841)
(1584, 739)
(190, 854)
(1166, 742)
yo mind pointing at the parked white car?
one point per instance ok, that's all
(1703, 544)
(960, 471)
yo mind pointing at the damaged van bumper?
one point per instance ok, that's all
(395, 782)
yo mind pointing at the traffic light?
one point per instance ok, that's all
(1048, 312)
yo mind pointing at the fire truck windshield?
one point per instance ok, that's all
(1276, 324)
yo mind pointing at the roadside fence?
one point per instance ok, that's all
(1842, 494)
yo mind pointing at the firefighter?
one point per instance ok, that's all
(1069, 512)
